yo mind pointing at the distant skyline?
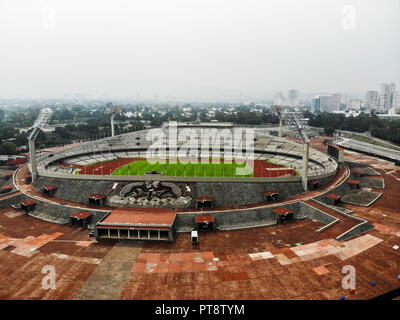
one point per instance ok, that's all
(199, 50)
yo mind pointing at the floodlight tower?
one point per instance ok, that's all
(277, 109)
(40, 124)
(114, 109)
(294, 121)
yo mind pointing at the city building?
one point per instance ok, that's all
(353, 104)
(293, 98)
(388, 96)
(371, 100)
(336, 100)
(315, 107)
(327, 103)
(349, 113)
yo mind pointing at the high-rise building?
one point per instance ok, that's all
(293, 98)
(371, 100)
(315, 105)
(328, 103)
(336, 101)
(388, 96)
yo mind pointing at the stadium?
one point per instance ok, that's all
(255, 155)
(172, 206)
(173, 170)
(123, 171)
(273, 158)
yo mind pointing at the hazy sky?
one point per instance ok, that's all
(202, 48)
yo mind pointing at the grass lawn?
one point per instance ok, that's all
(180, 169)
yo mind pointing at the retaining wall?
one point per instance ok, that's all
(13, 200)
(185, 222)
(356, 231)
(60, 214)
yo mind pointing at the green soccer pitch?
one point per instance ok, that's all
(179, 169)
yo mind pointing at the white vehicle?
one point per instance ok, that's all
(194, 237)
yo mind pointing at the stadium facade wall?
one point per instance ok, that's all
(74, 190)
(223, 193)
(229, 194)
(170, 178)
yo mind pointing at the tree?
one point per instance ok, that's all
(329, 131)
(21, 139)
(7, 148)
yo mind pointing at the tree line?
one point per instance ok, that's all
(377, 127)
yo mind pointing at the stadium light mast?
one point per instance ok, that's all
(41, 123)
(114, 109)
(294, 121)
(276, 109)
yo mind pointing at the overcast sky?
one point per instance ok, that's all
(196, 48)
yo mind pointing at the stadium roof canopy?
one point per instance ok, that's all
(353, 181)
(81, 215)
(332, 196)
(205, 218)
(97, 196)
(282, 211)
(204, 199)
(270, 193)
(28, 202)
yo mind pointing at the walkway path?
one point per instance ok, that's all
(108, 280)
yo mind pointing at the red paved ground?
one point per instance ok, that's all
(261, 169)
(342, 226)
(106, 168)
(21, 267)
